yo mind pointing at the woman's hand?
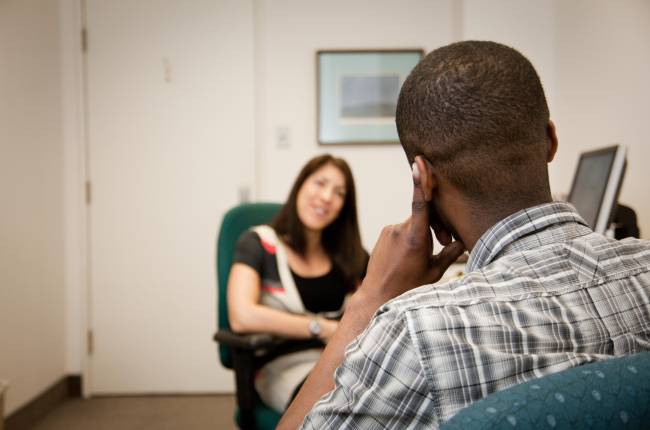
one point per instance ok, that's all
(247, 315)
(327, 327)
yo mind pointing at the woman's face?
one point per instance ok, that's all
(321, 197)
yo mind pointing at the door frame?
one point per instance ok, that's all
(76, 193)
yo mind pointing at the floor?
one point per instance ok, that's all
(139, 413)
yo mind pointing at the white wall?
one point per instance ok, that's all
(603, 69)
(31, 220)
(288, 34)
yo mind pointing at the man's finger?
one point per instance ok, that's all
(448, 255)
(441, 262)
(443, 236)
(419, 205)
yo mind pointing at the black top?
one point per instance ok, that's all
(322, 293)
(319, 294)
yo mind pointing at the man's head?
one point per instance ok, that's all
(477, 112)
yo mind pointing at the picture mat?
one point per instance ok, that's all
(381, 73)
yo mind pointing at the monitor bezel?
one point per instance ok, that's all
(609, 198)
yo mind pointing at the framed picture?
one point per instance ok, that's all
(357, 94)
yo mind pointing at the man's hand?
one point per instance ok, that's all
(403, 256)
(402, 259)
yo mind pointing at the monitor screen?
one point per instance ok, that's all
(596, 184)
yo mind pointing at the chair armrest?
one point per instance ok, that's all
(251, 342)
(250, 352)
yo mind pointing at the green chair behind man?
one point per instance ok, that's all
(605, 395)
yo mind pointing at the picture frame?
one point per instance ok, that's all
(357, 94)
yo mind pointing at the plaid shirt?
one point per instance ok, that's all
(542, 293)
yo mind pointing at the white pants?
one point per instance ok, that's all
(278, 379)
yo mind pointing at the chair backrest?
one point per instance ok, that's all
(235, 222)
(607, 394)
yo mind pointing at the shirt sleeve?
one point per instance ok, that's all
(249, 251)
(380, 384)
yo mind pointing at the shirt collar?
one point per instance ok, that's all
(517, 225)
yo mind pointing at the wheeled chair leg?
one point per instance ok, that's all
(244, 374)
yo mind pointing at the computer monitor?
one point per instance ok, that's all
(596, 185)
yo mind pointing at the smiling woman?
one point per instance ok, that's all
(321, 198)
(291, 278)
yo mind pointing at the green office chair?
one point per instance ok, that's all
(605, 395)
(236, 351)
(243, 352)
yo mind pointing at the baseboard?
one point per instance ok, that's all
(25, 417)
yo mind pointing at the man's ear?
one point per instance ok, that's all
(551, 141)
(427, 178)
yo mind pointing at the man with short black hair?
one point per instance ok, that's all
(542, 291)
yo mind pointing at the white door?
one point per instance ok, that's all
(170, 143)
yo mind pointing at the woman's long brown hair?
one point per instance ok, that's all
(341, 239)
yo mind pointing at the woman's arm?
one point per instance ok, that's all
(247, 315)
